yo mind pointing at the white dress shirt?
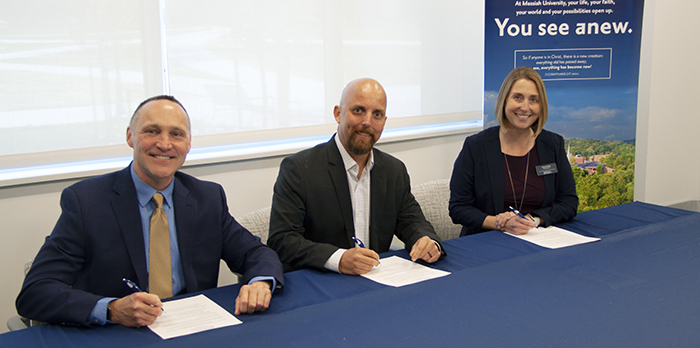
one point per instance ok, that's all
(360, 197)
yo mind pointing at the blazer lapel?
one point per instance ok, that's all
(186, 224)
(494, 159)
(336, 170)
(126, 209)
(377, 196)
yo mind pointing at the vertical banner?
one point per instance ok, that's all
(587, 53)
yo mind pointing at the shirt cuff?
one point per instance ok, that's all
(333, 262)
(98, 315)
(265, 279)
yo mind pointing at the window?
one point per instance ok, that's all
(251, 74)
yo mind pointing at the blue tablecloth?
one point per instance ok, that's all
(635, 287)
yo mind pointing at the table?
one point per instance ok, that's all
(637, 287)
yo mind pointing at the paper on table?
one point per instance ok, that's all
(397, 271)
(554, 237)
(191, 315)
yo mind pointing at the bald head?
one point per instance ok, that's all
(365, 86)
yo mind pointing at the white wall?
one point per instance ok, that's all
(667, 173)
(667, 170)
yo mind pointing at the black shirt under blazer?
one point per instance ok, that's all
(477, 181)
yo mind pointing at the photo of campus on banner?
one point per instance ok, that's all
(587, 53)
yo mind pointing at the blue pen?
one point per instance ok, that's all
(134, 287)
(519, 214)
(131, 285)
(361, 245)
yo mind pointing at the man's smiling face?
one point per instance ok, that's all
(361, 116)
(160, 137)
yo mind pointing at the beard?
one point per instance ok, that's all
(361, 147)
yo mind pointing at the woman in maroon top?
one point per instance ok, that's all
(517, 164)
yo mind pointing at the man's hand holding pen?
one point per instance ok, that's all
(358, 261)
(135, 310)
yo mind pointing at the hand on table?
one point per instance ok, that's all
(425, 249)
(358, 261)
(511, 223)
(137, 309)
(254, 297)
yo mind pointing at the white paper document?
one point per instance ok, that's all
(554, 237)
(397, 271)
(191, 315)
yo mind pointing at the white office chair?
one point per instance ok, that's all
(434, 198)
(257, 222)
(17, 322)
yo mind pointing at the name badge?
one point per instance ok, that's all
(546, 169)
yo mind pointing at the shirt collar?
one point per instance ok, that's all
(145, 192)
(348, 161)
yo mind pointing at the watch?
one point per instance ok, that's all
(109, 312)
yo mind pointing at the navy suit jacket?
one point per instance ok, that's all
(98, 240)
(312, 210)
(477, 181)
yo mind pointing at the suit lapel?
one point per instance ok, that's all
(377, 197)
(186, 224)
(336, 170)
(126, 209)
(494, 158)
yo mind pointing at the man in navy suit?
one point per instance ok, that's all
(344, 189)
(102, 235)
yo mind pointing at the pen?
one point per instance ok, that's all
(131, 285)
(519, 214)
(359, 243)
(135, 287)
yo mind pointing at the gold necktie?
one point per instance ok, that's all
(160, 276)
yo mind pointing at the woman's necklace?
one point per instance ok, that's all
(527, 168)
